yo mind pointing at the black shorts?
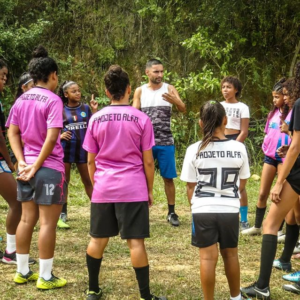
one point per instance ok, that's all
(294, 177)
(131, 219)
(211, 228)
(48, 186)
(270, 161)
(232, 136)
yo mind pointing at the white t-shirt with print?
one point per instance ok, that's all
(235, 112)
(217, 170)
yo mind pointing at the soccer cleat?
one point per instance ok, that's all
(11, 259)
(293, 277)
(281, 237)
(64, 217)
(62, 225)
(253, 291)
(294, 288)
(244, 226)
(251, 231)
(156, 298)
(52, 283)
(21, 279)
(287, 267)
(173, 219)
(91, 295)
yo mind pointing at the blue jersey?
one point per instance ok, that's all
(76, 120)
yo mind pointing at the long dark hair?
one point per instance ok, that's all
(116, 81)
(292, 85)
(212, 114)
(277, 88)
(24, 79)
(41, 66)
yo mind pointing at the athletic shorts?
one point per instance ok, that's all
(4, 167)
(211, 228)
(165, 156)
(271, 161)
(131, 219)
(232, 136)
(294, 177)
(48, 186)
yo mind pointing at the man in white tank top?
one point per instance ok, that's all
(156, 99)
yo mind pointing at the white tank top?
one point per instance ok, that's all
(159, 111)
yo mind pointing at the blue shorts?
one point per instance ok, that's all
(165, 156)
(4, 167)
(271, 161)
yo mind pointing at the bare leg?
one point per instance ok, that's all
(170, 190)
(85, 178)
(8, 190)
(68, 177)
(138, 253)
(30, 215)
(232, 269)
(96, 247)
(49, 215)
(208, 262)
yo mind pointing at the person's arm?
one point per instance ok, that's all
(190, 187)
(28, 172)
(244, 130)
(173, 97)
(148, 162)
(91, 165)
(242, 185)
(5, 153)
(137, 98)
(291, 156)
(94, 104)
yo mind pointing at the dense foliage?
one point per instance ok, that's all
(198, 41)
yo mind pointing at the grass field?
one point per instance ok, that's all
(174, 263)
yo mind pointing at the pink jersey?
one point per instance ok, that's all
(274, 138)
(35, 112)
(119, 134)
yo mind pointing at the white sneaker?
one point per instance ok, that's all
(281, 237)
(297, 248)
(251, 231)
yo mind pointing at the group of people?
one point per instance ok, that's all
(49, 132)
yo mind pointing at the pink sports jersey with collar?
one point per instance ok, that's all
(34, 113)
(119, 134)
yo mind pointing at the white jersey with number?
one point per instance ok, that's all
(217, 170)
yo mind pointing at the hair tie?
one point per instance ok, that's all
(68, 84)
(29, 80)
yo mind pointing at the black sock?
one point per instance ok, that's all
(65, 208)
(281, 226)
(291, 239)
(259, 216)
(93, 265)
(142, 276)
(171, 208)
(268, 251)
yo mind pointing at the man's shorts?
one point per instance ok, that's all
(4, 167)
(211, 228)
(48, 186)
(270, 161)
(165, 156)
(131, 219)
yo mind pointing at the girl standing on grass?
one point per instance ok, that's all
(119, 142)
(280, 116)
(284, 195)
(76, 116)
(216, 170)
(36, 121)
(237, 128)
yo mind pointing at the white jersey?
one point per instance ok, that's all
(235, 112)
(217, 170)
(159, 111)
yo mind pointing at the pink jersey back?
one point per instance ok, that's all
(274, 138)
(119, 134)
(35, 112)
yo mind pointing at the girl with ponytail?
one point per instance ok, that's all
(216, 170)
